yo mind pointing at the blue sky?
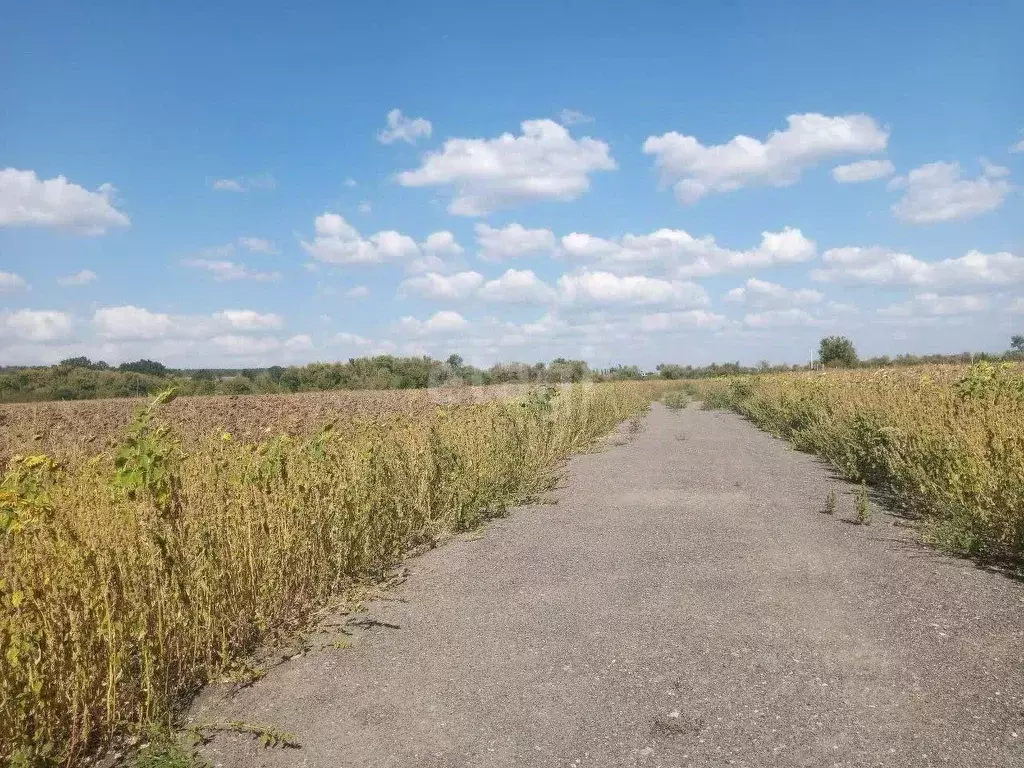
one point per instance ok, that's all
(222, 185)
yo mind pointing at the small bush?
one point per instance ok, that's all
(676, 399)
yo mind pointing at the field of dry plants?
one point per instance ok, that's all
(143, 557)
(945, 443)
(81, 428)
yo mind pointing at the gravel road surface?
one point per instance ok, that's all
(684, 603)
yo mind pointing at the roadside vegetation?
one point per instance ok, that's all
(945, 443)
(80, 378)
(133, 578)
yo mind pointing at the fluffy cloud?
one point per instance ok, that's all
(32, 325)
(517, 286)
(402, 128)
(439, 324)
(879, 266)
(357, 292)
(676, 252)
(778, 318)
(244, 183)
(248, 320)
(934, 305)
(697, 170)
(131, 323)
(543, 163)
(442, 244)
(338, 242)
(12, 282)
(434, 248)
(606, 288)
(865, 170)
(761, 294)
(28, 201)
(935, 192)
(432, 285)
(223, 270)
(512, 241)
(1018, 147)
(84, 277)
(673, 321)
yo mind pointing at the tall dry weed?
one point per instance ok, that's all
(133, 579)
(946, 442)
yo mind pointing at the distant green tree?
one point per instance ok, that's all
(837, 351)
(235, 385)
(77, 362)
(1017, 343)
(150, 367)
(275, 372)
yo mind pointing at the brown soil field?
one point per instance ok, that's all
(74, 429)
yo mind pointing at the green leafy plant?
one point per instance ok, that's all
(863, 506)
(830, 503)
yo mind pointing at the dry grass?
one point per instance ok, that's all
(135, 577)
(945, 442)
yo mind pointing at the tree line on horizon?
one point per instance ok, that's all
(79, 378)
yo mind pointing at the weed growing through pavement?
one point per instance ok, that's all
(863, 507)
(830, 503)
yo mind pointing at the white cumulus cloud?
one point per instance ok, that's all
(28, 201)
(697, 170)
(687, 319)
(248, 320)
(761, 294)
(131, 323)
(678, 253)
(402, 128)
(543, 163)
(934, 305)
(512, 241)
(517, 286)
(34, 325)
(880, 266)
(865, 170)
(588, 287)
(338, 242)
(432, 285)
(935, 192)
(441, 323)
(442, 243)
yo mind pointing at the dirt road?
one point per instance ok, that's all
(685, 603)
